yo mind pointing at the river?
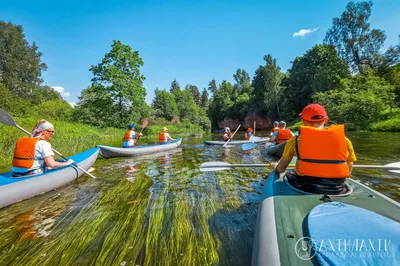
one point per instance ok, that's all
(160, 209)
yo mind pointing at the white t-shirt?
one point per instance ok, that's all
(42, 149)
(167, 137)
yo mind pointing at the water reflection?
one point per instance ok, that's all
(156, 209)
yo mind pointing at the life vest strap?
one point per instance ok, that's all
(323, 161)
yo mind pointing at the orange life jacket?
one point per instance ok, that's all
(283, 135)
(246, 136)
(274, 129)
(229, 136)
(323, 152)
(161, 137)
(24, 153)
(127, 135)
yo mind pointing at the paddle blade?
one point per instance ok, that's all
(214, 166)
(144, 123)
(394, 165)
(248, 146)
(6, 119)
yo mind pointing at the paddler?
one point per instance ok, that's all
(282, 134)
(130, 136)
(325, 155)
(33, 154)
(275, 127)
(227, 134)
(248, 134)
(164, 136)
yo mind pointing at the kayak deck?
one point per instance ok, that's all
(282, 216)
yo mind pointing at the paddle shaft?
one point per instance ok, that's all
(74, 164)
(232, 136)
(143, 127)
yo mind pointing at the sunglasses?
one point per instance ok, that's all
(50, 131)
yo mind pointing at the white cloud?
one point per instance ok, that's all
(61, 91)
(304, 32)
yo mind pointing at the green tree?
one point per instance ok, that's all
(55, 109)
(358, 101)
(195, 93)
(165, 105)
(97, 107)
(204, 98)
(242, 79)
(267, 86)
(20, 62)
(118, 86)
(212, 86)
(175, 88)
(356, 43)
(220, 103)
(318, 70)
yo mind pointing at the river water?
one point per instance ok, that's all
(160, 209)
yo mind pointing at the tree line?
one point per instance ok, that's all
(348, 73)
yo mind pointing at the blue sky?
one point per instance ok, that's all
(192, 41)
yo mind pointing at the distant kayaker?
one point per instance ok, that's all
(227, 134)
(275, 127)
(282, 134)
(164, 136)
(325, 155)
(248, 134)
(130, 136)
(33, 154)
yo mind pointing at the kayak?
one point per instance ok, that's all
(275, 150)
(109, 151)
(16, 189)
(237, 142)
(297, 228)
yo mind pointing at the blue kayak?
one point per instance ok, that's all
(16, 189)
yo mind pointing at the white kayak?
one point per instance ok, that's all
(109, 151)
(16, 189)
(237, 142)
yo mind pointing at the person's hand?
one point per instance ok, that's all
(274, 165)
(69, 162)
(140, 134)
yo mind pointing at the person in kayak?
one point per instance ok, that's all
(164, 136)
(33, 154)
(248, 134)
(130, 136)
(227, 134)
(275, 127)
(325, 155)
(282, 134)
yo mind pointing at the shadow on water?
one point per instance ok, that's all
(156, 209)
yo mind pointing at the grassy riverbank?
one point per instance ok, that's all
(71, 138)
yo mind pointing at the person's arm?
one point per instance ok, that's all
(274, 137)
(351, 158)
(168, 137)
(50, 162)
(280, 166)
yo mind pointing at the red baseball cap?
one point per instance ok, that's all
(314, 112)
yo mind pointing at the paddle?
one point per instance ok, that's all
(6, 119)
(232, 136)
(219, 166)
(248, 146)
(144, 125)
